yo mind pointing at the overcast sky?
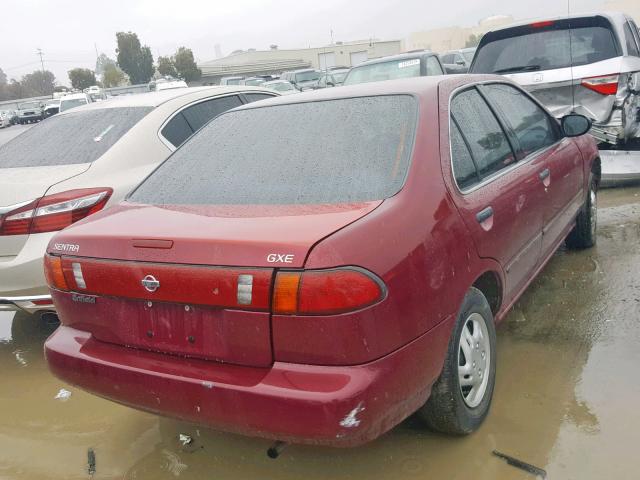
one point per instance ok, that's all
(68, 31)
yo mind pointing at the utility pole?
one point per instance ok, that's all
(40, 54)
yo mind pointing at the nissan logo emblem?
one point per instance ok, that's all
(150, 283)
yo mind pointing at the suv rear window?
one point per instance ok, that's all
(546, 46)
(72, 138)
(358, 150)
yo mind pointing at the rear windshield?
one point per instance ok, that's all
(307, 76)
(547, 46)
(76, 137)
(384, 71)
(336, 151)
(68, 104)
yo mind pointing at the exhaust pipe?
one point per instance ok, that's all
(276, 449)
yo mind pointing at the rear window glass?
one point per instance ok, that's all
(391, 70)
(359, 149)
(76, 137)
(548, 47)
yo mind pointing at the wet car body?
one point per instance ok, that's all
(602, 84)
(158, 312)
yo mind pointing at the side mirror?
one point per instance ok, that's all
(574, 125)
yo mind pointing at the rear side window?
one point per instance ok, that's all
(632, 48)
(448, 58)
(463, 167)
(254, 97)
(546, 46)
(72, 138)
(532, 126)
(487, 141)
(177, 130)
(433, 66)
(358, 150)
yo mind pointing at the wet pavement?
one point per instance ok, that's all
(566, 396)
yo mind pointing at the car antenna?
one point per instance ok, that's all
(573, 86)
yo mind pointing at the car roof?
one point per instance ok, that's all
(417, 86)
(400, 56)
(155, 99)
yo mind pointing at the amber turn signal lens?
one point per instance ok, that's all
(53, 273)
(285, 296)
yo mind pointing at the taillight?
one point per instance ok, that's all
(325, 292)
(604, 85)
(54, 273)
(545, 23)
(54, 212)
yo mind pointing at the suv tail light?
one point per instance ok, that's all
(604, 85)
(54, 212)
(324, 292)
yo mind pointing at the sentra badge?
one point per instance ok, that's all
(66, 247)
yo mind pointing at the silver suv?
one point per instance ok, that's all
(589, 64)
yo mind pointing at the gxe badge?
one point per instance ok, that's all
(150, 283)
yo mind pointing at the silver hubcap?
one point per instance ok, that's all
(474, 360)
(593, 210)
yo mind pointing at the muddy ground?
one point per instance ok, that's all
(566, 396)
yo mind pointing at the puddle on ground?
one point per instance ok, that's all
(566, 396)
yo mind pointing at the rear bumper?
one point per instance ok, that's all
(320, 405)
(30, 304)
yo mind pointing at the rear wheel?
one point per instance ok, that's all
(461, 397)
(583, 234)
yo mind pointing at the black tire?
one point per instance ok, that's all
(447, 410)
(584, 234)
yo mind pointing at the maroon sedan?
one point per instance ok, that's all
(315, 268)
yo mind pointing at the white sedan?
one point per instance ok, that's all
(84, 160)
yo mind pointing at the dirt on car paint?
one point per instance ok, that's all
(565, 398)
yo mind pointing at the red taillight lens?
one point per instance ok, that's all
(54, 212)
(54, 273)
(325, 292)
(604, 85)
(546, 23)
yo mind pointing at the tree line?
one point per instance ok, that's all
(133, 65)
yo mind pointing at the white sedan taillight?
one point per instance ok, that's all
(604, 85)
(54, 212)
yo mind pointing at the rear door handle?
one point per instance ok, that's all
(484, 215)
(544, 174)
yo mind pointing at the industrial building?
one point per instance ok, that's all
(274, 61)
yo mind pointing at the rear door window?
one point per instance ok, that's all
(269, 155)
(533, 128)
(546, 46)
(464, 169)
(483, 134)
(177, 130)
(200, 113)
(72, 138)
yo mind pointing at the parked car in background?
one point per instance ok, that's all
(51, 107)
(332, 78)
(462, 57)
(589, 64)
(302, 79)
(83, 160)
(73, 100)
(231, 80)
(283, 87)
(252, 81)
(13, 116)
(5, 119)
(167, 84)
(30, 112)
(412, 64)
(238, 283)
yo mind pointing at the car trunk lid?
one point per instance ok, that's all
(192, 281)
